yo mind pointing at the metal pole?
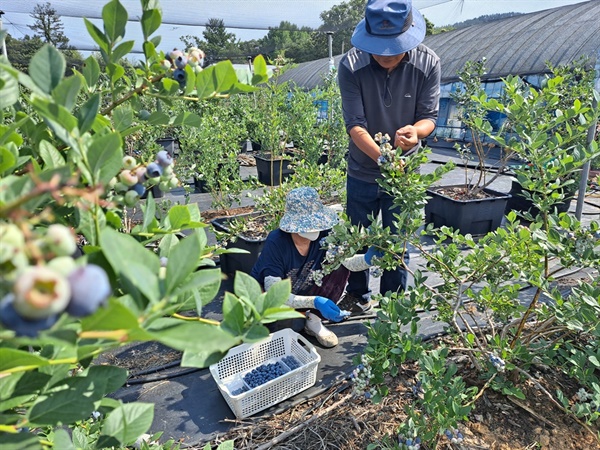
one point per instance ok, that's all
(585, 170)
(330, 44)
(3, 40)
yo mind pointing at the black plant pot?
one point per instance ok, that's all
(200, 186)
(476, 217)
(272, 171)
(244, 262)
(519, 203)
(170, 144)
(156, 192)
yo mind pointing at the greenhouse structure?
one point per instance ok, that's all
(520, 45)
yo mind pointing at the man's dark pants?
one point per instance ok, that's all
(364, 199)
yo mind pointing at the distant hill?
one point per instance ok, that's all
(481, 19)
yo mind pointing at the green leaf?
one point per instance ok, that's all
(151, 20)
(19, 441)
(50, 155)
(260, 70)
(278, 294)
(204, 283)
(86, 223)
(110, 378)
(216, 79)
(246, 286)
(207, 338)
(115, 18)
(65, 406)
(149, 212)
(122, 117)
(122, 50)
(105, 157)
(129, 421)
(233, 314)
(158, 118)
(149, 50)
(9, 91)
(115, 316)
(66, 92)
(62, 440)
(188, 119)
(87, 113)
(12, 358)
(183, 260)
(47, 68)
(7, 159)
(116, 72)
(59, 118)
(98, 36)
(91, 72)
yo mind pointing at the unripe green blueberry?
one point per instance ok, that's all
(163, 186)
(167, 173)
(12, 261)
(118, 199)
(90, 288)
(60, 240)
(197, 68)
(40, 292)
(165, 63)
(11, 234)
(131, 198)
(129, 162)
(128, 178)
(145, 114)
(64, 265)
(121, 188)
(173, 182)
(112, 183)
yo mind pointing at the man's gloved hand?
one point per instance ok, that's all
(328, 309)
(371, 253)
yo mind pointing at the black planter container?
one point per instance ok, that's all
(200, 186)
(519, 203)
(170, 144)
(475, 217)
(244, 262)
(272, 171)
(156, 192)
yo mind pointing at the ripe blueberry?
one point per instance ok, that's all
(12, 320)
(154, 170)
(164, 158)
(90, 288)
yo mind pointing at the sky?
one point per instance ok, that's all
(248, 19)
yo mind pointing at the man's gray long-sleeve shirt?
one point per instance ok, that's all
(382, 102)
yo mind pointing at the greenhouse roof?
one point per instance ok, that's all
(517, 45)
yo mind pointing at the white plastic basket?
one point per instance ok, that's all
(229, 372)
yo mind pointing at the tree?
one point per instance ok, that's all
(20, 51)
(48, 26)
(297, 43)
(219, 43)
(342, 19)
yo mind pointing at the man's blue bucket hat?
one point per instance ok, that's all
(389, 28)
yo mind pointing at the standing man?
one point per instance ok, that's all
(390, 83)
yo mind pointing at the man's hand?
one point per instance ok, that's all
(406, 137)
(328, 309)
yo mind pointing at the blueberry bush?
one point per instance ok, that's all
(75, 281)
(504, 340)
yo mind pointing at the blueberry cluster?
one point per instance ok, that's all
(43, 280)
(454, 436)
(264, 373)
(498, 363)
(389, 158)
(291, 362)
(361, 377)
(241, 390)
(134, 178)
(178, 60)
(409, 443)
